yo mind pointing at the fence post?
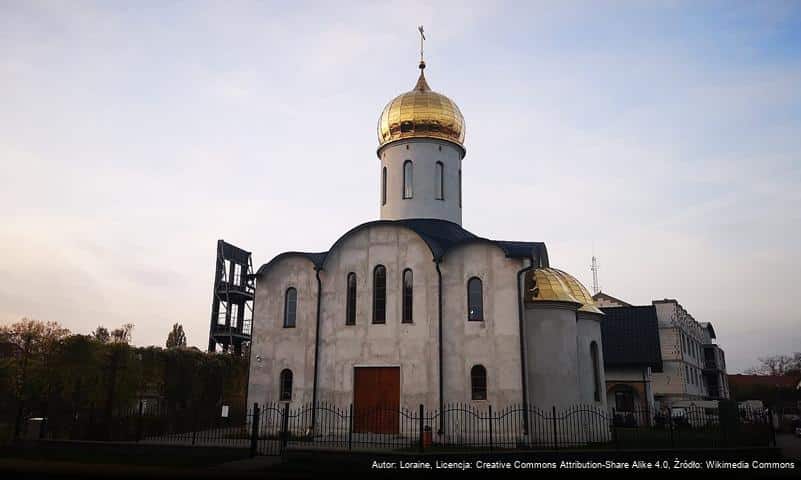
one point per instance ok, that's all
(555, 440)
(18, 423)
(772, 430)
(139, 421)
(670, 426)
(194, 424)
(43, 425)
(614, 431)
(254, 431)
(420, 431)
(350, 427)
(285, 428)
(723, 427)
(490, 427)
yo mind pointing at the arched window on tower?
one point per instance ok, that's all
(460, 189)
(478, 382)
(596, 372)
(384, 186)
(285, 387)
(407, 296)
(350, 308)
(475, 300)
(290, 307)
(380, 294)
(408, 179)
(439, 179)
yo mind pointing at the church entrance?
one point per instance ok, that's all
(376, 399)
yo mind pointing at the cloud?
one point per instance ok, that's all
(666, 135)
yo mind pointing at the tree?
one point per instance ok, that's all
(778, 365)
(122, 334)
(176, 338)
(101, 334)
(35, 342)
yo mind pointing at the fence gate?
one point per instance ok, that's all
(270, 430)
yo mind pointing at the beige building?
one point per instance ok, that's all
(693, 365)
(717, 381)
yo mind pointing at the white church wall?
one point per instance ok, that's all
(413, 346)
(552, 367)
(494, 342)
(589, 330)
(424, 153)
(274, 347)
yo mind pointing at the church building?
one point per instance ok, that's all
(414, 309)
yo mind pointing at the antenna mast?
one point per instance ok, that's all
(594, 267)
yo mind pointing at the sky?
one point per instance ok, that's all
(664, 137)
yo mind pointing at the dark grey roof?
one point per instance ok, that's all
(440, 235)
(631, 337)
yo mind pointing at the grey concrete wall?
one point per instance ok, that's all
(589, 330)
(412, 347)
(553, 337)
(280, 347)
(493, 342)
(424, 153)
(552, 366)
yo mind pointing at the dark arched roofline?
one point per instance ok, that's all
(441, 236)
(312, 257)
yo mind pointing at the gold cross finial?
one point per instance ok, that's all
(422, 38)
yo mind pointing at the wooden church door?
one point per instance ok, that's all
(376, 399)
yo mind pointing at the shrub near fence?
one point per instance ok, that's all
(271, 428)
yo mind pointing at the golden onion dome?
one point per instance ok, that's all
(421, 113)
(579, 292)
(554, 285)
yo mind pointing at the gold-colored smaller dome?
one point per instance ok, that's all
(579, 292)
(421, 113)
(554, 285)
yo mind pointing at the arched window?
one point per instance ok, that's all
(460, 188)
(475, 300)
(596, 372)
(285, 386)
(408, 179)
(478, 382)
(290, 307)
(439, 179)
(407, 296)
(350, 308)
(380, 294)
(384, 186)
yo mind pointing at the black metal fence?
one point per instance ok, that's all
(271, 428)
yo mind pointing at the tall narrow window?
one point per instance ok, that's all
(478, 382)
(285, 385)
(408, 179)
(439, 181)
(380, 294)
(384, 186)
(475, 300)
(350, 309)
(290, 307)
(237, 274)
(596, 372)
(234, 315)
(407, 296)
(222, 314)
(460, 188)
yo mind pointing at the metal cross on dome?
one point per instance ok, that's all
(422, 37)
